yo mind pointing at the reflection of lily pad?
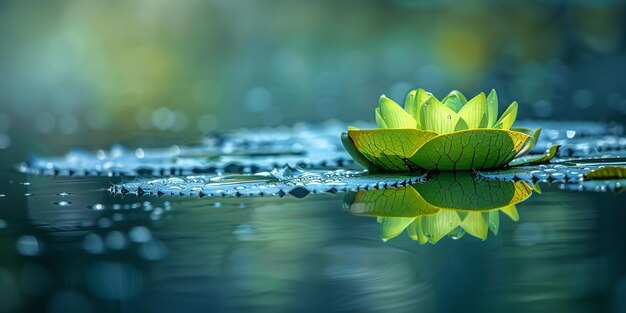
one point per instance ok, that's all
(449, 204)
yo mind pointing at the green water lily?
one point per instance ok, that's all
(450, 204)
(452, 134)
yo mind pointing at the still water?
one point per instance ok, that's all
(67, 245)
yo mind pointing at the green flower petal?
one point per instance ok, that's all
(469, 149)
(508, 117)
(390, 149)
(494, 221)
(473, 112)
(476, 225)
(456, 94)
(492, 108)
(410, 106)
(453, 102)
(416, 231)
(394, 226)
(394, 116)
(437, 226)
(511, 212)
(413, 103)
(435, 116)
(461, 125)
(379, 120)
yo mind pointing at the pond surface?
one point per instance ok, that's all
(70, 245)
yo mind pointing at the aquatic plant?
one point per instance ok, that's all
(449, 204)
(452, 134)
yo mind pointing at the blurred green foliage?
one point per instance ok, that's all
(79, 68)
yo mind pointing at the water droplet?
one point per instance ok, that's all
(63, 203)
(63, 194)
(97, 207)
(449, 116)
(28, 194)
(25, 183)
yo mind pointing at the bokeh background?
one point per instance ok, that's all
(99, 72)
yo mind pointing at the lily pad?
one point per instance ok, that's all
(408, 149)
(609, 172)
(279, 182)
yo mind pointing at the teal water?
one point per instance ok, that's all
(66, 245)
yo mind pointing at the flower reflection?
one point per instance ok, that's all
(448, 204)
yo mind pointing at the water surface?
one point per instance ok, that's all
(68, 246)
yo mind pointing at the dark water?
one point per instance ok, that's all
(86, 251)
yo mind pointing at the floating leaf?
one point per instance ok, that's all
(534, 138)
(609, 172)
(279, 182)
(356, 155)
(390, 148)
(406, 149)
(469, 149)
(536, 160)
